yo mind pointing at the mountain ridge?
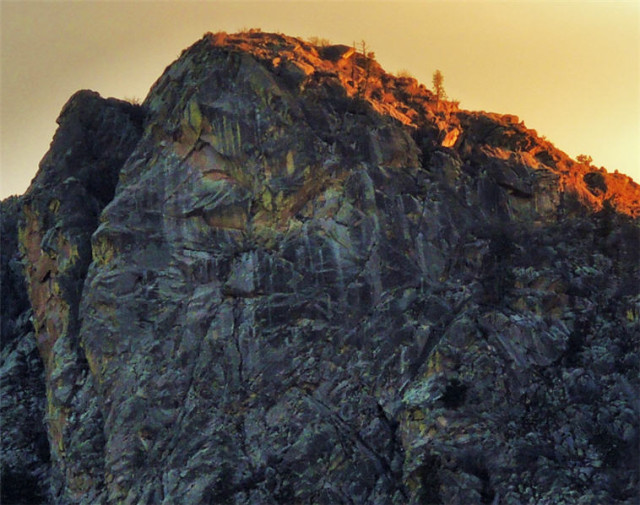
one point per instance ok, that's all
(288, 276)
(409, 102)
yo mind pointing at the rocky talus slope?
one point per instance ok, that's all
(288, 277)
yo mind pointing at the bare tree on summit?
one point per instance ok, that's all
(438, 87)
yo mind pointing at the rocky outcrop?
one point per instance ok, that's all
(59, 213)
(315, 283)
(23, 441)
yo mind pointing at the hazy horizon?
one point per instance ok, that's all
(569, 70)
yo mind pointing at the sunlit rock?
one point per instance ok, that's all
(291, 277)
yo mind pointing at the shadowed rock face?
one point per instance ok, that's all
(58, 214)
(314, 284)
(23, 442)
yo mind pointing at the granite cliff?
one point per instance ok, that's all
(290, 277)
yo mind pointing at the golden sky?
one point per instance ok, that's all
(569, 69)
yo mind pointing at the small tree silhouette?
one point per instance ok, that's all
(584, 159)
(438, 86)
(362, 82)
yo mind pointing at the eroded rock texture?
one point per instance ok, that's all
(315, 284)
(58, 215)
(23, 443)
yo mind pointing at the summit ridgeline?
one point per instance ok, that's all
(328, 75)
(288, 276)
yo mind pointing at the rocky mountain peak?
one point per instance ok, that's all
(289, 276)
(288, 66)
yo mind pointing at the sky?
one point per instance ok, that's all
(569, 69)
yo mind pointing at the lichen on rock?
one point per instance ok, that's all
(291, 277)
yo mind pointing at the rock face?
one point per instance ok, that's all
(23, 442)
(59, 213)
(289, 277)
